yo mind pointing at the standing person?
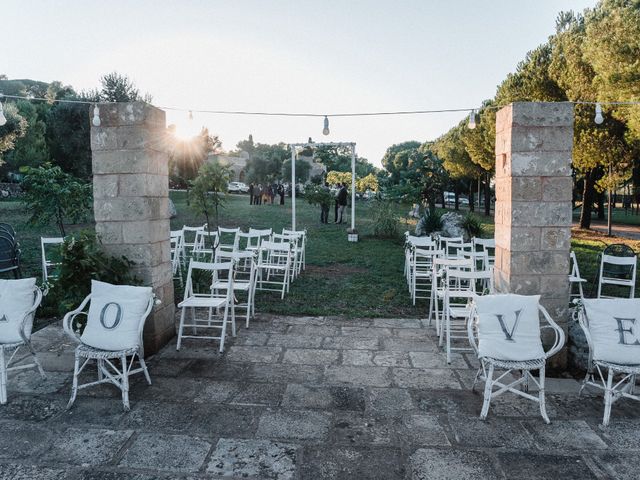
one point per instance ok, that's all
(265, 194)
(335, 206)
(257, 195)
(251, 193)
(272, 192)
(325, 204)
(342, 200)
(281, 193)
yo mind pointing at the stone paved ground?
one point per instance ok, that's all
(306, 398)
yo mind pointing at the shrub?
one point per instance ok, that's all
(385, 219)
(429, 223)
(84, 260)
(472, 225)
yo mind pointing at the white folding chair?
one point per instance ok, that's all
(189, 239)
(274, 266)
(294, 241)
(245, 275)
(199, 294)
(228, 239)
(19, 300)
(445, 243)
(479, 259)
(438, 284)
(412, 242)
(421, 268)
(206, 244)
(574, 276)
(177, 247)
(48, 264)
(487, 245)
(115, 320)
(619, 272)
(613, 334)
(302, 245)
(259, 235)
(461, 287)
(504, 331)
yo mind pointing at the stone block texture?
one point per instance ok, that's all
(131, 195)
(533, 203)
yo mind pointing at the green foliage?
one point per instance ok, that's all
(303, 168)
(30, 149)
(430, 222)
(52, 195)
(338, 159)
(186, 156)
(84, 260)
(15, 128)
(385, 219)
(120, 88)
(318, 195)
(207, 190)
(472, 225)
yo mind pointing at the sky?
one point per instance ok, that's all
(319, 57)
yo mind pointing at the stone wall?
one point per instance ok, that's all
(533, 204)
(131, 195)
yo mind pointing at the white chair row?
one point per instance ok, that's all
(613, 271)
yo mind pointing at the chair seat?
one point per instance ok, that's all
(221, 285)
(517, 364)
(633, 369)
(90, 352)
(575, 279)
(213, 302)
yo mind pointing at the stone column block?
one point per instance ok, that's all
(131, 195)
(533, 203)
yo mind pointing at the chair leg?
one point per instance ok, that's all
(100, 365)
(3, 377)
(180, 328)
(74, 387)
(223, 332)
(475, 380)
(145, 370)
(541, 398)
(608, 398)
(488, 388)
(35, 360)
(124, 383)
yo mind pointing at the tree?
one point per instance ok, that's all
(15, 128)
(369, 182)
(120, 88)
(338, 158)
(53, 195)
(206, 195)
(30, 150)
(186, 157)
(396, 159)
(302, 170)
(265, 163)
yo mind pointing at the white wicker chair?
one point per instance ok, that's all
(106, 359)
(605, 364)
(17, 331)
(510, 341)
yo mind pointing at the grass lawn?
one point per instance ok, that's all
(361, 279)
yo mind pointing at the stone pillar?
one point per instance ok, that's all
(533, 204)
(130, 200)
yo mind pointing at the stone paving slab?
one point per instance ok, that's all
(306, 398)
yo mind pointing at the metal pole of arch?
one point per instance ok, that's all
(293, 187)
(353, 187)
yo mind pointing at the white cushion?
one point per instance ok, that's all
(509, 327)
(614, 325)
(16, 298)
(114, 316)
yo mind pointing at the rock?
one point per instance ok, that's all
(452, 226)
(173, 213)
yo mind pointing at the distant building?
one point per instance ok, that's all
(237, 163)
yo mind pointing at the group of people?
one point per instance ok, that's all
(340, 203)
(263, 194)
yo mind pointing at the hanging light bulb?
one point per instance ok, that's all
(325, 130)
(3, 119)
(472, 119)
(190, 115)
(96, 116)
(599, 118)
